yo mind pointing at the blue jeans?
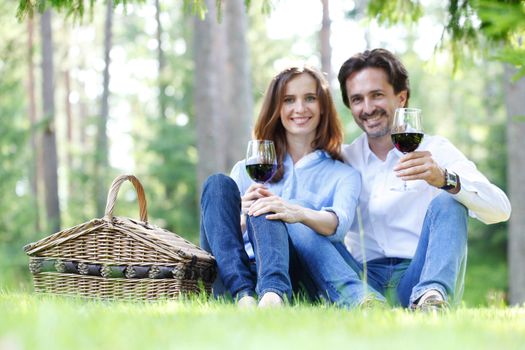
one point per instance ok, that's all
(330, 272)
(438, 263)
(275, 258)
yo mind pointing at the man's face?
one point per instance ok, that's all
(373, 101)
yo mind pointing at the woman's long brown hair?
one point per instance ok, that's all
(329, 134)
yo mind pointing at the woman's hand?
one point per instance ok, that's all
(263, 201)
(278, 207)
(252, 194)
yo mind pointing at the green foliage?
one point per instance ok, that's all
(515, 57)
(473, 26)
(501, 20)
(17, 206)
(390, 12)
(77, 8)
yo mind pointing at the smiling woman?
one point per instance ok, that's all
(300, 110)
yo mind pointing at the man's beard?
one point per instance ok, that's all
(378, 133)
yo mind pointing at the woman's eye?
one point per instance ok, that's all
(288, 100)
(311, 98)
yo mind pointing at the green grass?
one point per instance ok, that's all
(29, 321)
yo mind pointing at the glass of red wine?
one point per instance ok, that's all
(261, 160)
(407, 131)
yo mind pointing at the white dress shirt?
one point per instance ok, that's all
(389, 221)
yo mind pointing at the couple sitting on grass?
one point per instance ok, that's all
(330, 223)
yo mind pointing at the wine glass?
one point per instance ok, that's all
(407, 131)
(261, 161)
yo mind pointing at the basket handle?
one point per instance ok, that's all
(112, 197)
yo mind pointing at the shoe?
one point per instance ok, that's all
(431, 301)
(271, 299)
(247, 302)
(371, 302)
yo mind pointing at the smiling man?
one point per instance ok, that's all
(413, 241)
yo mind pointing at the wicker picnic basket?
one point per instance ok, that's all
(119, 258)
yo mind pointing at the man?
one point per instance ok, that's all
(412, 243)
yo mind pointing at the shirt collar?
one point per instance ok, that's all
(369, 156)
(308, 159)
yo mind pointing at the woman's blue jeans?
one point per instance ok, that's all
(276, 266)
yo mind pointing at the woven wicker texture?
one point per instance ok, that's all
(100, 244)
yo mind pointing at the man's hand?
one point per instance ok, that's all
(419, 165)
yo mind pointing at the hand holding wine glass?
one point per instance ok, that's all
(407, 131)
(261, 160)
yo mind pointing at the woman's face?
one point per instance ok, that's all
(300, 109)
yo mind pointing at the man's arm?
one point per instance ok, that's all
(485, 201)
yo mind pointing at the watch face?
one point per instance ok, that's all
(451, 181)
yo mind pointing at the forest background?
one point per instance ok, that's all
(157, 90)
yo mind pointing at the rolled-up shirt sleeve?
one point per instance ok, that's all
(346, 196)
(484, 200)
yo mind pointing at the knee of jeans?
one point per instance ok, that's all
(274, 226)
(219, 183)
(444, 203)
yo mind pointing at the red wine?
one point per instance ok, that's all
(407, 141)
(261, 172)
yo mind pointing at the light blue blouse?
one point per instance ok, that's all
(317, 182)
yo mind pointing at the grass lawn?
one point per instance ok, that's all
(29, 321)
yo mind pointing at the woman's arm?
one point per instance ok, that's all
(321, 221)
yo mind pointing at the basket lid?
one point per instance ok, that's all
(153, 236)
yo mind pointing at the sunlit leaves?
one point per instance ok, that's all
(77, 8)
(388, 11)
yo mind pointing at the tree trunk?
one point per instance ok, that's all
(162, 64)
(222, 89)
(34, 166)
(324, 41)
(169, 186)
(69, 130)
(209, 94)
(49, 150)
(101, 164)
(515, 103)
(240, 106)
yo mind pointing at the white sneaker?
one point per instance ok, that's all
(247, 302)
(271, 299)
(432, 300)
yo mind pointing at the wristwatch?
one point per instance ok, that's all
(451, 181)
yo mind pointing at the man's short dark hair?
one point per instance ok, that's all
(376, 58)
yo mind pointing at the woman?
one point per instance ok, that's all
(307, 206)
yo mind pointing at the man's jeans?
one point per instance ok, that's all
(438, 263)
